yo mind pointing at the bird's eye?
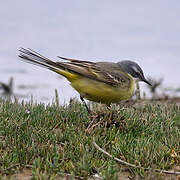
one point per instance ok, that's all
(137, 73)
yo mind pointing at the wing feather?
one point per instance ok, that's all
(108, 73)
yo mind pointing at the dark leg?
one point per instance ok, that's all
(82, 99)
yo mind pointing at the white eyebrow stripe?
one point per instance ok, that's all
(135, 68)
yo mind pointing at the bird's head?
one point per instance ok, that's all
(134, 70)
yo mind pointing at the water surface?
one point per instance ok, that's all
(144, 31)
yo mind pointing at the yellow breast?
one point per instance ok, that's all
(100, 92)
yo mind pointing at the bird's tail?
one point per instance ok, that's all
(32, 57)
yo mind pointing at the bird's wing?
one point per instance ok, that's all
(102, 71)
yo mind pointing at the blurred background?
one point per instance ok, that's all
(147, 32)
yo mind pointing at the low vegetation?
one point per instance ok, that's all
(54, 141)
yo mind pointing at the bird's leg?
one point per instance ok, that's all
(82, 99)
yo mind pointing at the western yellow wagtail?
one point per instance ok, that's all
(103, 82)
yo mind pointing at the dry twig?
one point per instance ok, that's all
(132, 165)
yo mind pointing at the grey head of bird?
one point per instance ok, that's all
(134, 70)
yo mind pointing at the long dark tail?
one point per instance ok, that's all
(32, 57)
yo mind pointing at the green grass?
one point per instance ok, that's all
(55, 139)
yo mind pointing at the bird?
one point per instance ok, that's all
(101, 82)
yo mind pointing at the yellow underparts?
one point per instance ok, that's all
(98, 91)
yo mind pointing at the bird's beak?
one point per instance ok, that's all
(146, 81)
